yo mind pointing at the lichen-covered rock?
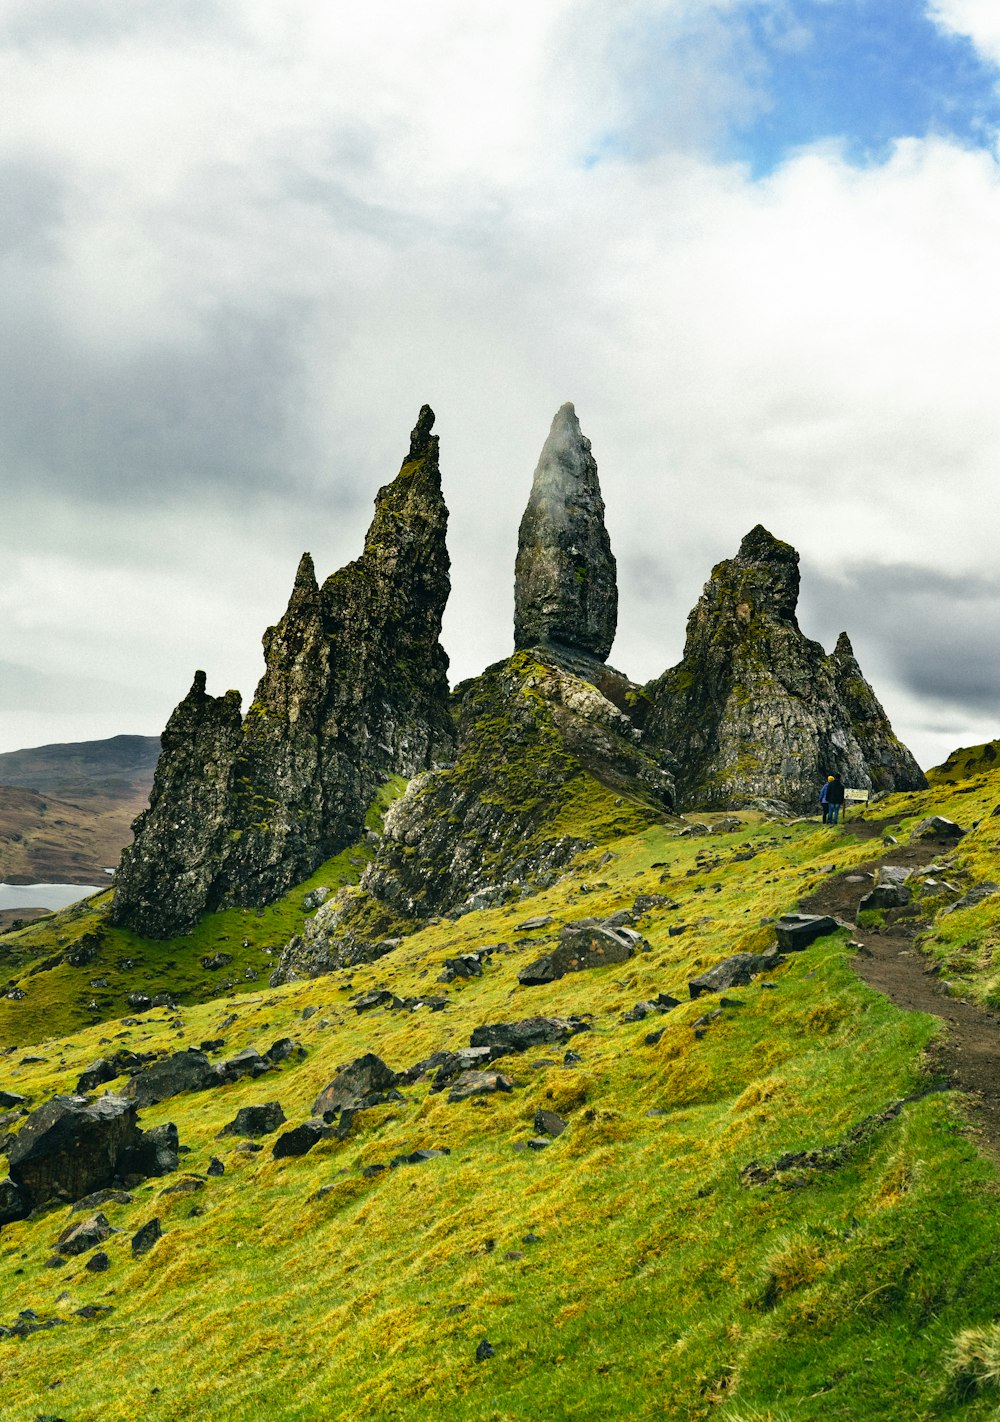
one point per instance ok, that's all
(565, 588)
(355, 690)
(757, 710)
(166, 876)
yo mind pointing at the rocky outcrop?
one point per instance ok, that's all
(565, 588)
(755, 710)
(548, 763)
(355, 690)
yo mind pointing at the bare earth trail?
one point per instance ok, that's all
(969, 1055)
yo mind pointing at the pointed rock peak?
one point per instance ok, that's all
(843, 649)
(421, 439)
(305, 575)
(761, 546)
(198, 685)
(565, 587)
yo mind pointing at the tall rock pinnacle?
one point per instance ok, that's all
(565, 588)
(755, 710)
(355, 690)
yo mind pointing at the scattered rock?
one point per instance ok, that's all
(255, 1121)
(70, 1147)
(368, 1001)
(527, 1033)
(974, 896)
(249, 1062)
(102, 1197)
(85, 1235)
(530, 924)
(936, 827)
(485, 1350)
(14, 1202)
(357, 1086)
(479, 1083)
(144, 1238)
(314, 898)
(796, 931)
(184, 1071)
(583, 945)
(663, 1002)
(8, 1100)
(98, 1263)
(300, 1139)
(215, 1166)
(548, 1123)
(734, 972)
(539, 1143)
(417, 1157)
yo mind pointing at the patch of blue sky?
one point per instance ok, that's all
(863, 73)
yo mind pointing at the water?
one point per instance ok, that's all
(47, 896)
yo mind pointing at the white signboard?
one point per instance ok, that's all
(856, 797)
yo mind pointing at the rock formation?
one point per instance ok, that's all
(565, 589)
(757, 710)
(355, 690)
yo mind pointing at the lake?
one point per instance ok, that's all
(48, 896)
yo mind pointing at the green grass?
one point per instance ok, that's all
(660, 1285)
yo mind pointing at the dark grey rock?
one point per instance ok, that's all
(565, 581)
(582, 946)
(284, 1048)
(937, 827)
(70, 1147)
(156, 1152)
(737, 971)
(358, 1085)
(796, 931)
(885, 896)
(184, 1071)
(368, 1001)
(300, 1139)
(547, 1123)
(247, 1063)
(8, 1100)
(215, 1167)
(81, 1237)
(527, 1033)
(539, 1143)
(479, 1083)
(974, 896)
(102, 1197)
(485, 1351)
(139, 1001)
(255, 1120)
(144, 1238)
(417, 1157)
(98, 1263)
(663, 1002)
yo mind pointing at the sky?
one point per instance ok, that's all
(754, 241)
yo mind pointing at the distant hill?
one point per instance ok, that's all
(66, 811)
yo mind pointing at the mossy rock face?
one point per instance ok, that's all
(757, 710)
(547, 765)
(355, 691)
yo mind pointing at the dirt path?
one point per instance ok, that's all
(969, 1055)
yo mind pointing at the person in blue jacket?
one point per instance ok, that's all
(831, 797)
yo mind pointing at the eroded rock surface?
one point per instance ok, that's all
(355, 690)
(755, 710)
(565, 585)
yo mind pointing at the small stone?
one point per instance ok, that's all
(484, 1351)
(514, 1254)
(539, 1143)
(98, 1263)
(548, 1123)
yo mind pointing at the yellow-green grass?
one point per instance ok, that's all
(660, 1285)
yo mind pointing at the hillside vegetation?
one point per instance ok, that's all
(762, 1208)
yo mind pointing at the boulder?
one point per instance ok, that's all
(583, 945)
(98, 1263)
(301, 1139)
(936, 827)
(184, 1071)
(892, 874)
(284, 1048)
(359, 1084)
(71, 1146)
(8, 1100)
(417, 1157)
(255, 1120)
(155, 1153)
(975, 896)
(451, 1065)
(547, 1123)
(663, 1002)
(479, 1083)
(85, 1235)
(249, 1062)
(737, 971)
(885, 896)
(796, 931)
(527, 1033)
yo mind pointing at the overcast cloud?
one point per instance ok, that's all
(241, 244)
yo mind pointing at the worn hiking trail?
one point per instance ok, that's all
(968, 1056)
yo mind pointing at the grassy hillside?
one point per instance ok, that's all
(631, 1267)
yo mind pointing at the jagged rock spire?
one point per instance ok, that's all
(355, 690)
(565, 588)
(755, 710)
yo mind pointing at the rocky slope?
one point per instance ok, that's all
(757, 710)
(355, 690)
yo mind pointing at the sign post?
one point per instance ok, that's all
(855, 797)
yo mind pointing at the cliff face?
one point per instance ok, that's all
(565, 588)
(355, 689)
(755, 709)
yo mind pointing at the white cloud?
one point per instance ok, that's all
(978, 19)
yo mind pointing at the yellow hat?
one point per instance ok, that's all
(829, 777)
